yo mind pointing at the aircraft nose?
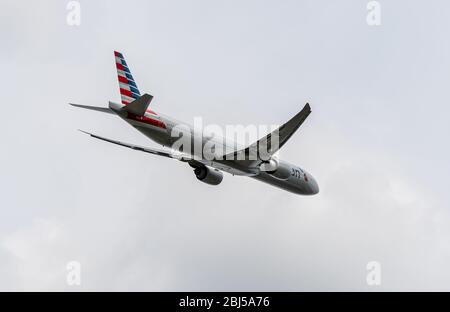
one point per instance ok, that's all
(313, 186)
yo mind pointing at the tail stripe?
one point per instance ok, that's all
(127, 99)
(125, 75)
(127, 81)
(131, 83)
(123, 68)
(128, 93)
(134, 90)
(122, 79)
(129, 89)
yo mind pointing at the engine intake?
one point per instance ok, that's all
(208, 175)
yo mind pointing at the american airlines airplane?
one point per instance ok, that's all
(258, 160)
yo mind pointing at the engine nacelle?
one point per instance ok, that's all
(282, 172)
(208, 175)
(269, 166)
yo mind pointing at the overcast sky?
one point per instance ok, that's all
(376, 141)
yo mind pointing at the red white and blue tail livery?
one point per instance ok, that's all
(128, 88)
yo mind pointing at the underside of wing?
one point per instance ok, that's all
(154, 151)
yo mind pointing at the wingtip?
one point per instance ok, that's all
(75, 105)
(85, 132)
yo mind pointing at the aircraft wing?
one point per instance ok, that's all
(267, 146)
(154, 151)
(173, 154)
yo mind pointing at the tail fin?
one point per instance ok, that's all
(128, 88)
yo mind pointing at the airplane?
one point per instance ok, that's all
(247, 161)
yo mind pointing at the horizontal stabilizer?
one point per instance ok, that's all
(95, 108)
(139, 106)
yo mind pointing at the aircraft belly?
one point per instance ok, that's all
(292, 185)
(229, 168)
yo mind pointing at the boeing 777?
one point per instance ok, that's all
(258, 160)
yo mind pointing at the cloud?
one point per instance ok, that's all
(34, 256)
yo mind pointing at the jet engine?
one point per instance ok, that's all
(277, 169)
(208, 175)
